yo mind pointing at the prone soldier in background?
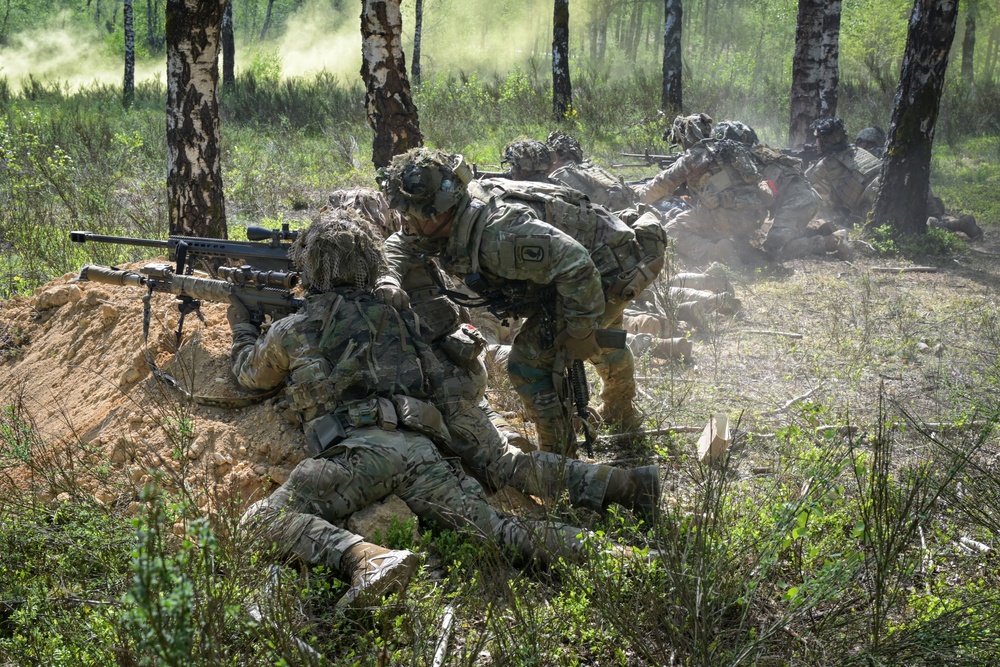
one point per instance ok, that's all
(845, 176)
(729, 203)
(570, 169)
(872, 139)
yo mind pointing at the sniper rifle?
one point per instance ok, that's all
(265, 248)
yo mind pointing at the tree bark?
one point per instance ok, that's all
(814, 67)
(969, 45)
(391, 112)
(829, 86)
(194, 174)
(418, 29)
(672, 101)
(562, 89)
(267, 20)
(128, 86)
(228, 47)
(905, 178)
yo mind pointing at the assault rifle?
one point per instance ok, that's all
(806, 155)
(265, 248)
(651, 159)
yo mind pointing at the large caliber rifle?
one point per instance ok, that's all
(479, 174)
(266, 294)
(264, 248)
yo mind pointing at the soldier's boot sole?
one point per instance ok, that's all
(386, 574)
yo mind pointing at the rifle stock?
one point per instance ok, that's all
(651, 159)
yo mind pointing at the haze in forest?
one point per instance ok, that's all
(315, 38)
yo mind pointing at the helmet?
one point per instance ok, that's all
(371, 204)
(734, 130)
(565, 147)
(689, 130)
(870, 136)
(338, 249)
(422, 183)
(528, 158)
(829, 131)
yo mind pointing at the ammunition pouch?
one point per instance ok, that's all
(423, 417)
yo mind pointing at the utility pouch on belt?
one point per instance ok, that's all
(323, 433)
(463, 345)
(422, 417)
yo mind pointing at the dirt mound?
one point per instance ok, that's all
(79, 372)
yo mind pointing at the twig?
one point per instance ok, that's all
(904, 269)
(984, 252)
(792, 401)
(442, 646)
(766, 332)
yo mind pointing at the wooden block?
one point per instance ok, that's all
(714, 440)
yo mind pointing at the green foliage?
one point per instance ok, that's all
(937, 243)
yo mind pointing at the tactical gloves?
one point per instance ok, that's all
(388, 291)
(237, 313)
(579, 343)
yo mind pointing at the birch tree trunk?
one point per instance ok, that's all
(228, 47)
(194, 174)
(391, 112)
(562, 89)
(905, 178)
(814, 67)
(418, 29)
(672, 101)
(267, 20)
(128, 86)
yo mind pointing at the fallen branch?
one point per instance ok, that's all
(766, 332)
(971, 544)
(442, 646)
(792, 401)
(904, 269)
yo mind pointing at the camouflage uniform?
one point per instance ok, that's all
(476, 438)
(505, 245)
(728, 207)
(361, 382)
(847, 179)
(795, 203)
(601, 186)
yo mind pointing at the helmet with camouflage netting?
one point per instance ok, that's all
(830, 132)
(423, 183)
(734, 130)
(870, 136)
(371, 204)
(689, 130)
(528, 158)
(338, 249)
(565, 147)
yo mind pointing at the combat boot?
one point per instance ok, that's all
(375, 572)
(637, 489)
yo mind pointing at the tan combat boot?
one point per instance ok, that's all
(375, 572)
(637, 489)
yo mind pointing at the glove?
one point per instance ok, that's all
(237, 314)
(579, 343)
(388, 291)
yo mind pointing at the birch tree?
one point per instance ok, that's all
(815, 69)
(194, 173)
(906, 168)
(388, 100)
